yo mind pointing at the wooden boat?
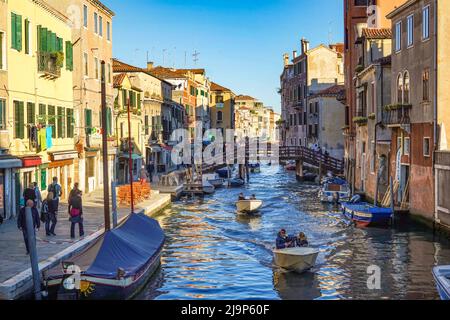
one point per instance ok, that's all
(364, 214)
(116, 266)
(441, 275)
(335, 189)
(213, 179)
(296, 259)
(223, 173)
(208, 188)
(236, 182)
(248, 206)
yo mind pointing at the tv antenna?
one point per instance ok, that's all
(195, 57)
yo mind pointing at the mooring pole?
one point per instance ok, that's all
(33, 253)
(114, 203)
(130, 154)
(392, 199)
(105, 152)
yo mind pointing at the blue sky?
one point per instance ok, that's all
(241, 42)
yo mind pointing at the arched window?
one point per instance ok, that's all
(219, 116)
(406, 88)
(400, 88)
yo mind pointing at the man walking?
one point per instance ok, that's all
(38, 195)
(55, 188)
(22, 222)
(29, 194)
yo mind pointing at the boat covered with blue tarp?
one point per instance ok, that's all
(441, 275)
(118, 264)
(364, 214)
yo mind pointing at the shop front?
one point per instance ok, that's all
(7, 166)
(62, 167)
(24, 177)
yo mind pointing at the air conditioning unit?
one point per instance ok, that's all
(4, 139)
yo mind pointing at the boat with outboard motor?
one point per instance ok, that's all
(364, 214)
(297, 259)
(249, 206)
(335, 190)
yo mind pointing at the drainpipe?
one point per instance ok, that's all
(435, 106)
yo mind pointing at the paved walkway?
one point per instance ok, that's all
(14, 260)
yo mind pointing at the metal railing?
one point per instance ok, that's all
(398, 116)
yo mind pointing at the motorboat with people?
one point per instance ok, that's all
(213, 179)
(208, 188)
(293, 253)
(441, 276)
(248, 205)
(364, 214)
(236, 182)
(335, 190)
(115, 266)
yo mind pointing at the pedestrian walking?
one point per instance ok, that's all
(75, 190)
(38, 195)
(144, 175)
(55, 189)
(50, 214)
(29, 194)
(22, 223)
(76, 213)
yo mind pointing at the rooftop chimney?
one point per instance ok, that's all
(305, 45)
(149, 65)
(294, 54)
(286, 59)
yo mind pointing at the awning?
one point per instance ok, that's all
(9, 162)
(64, 155)
(31, 161)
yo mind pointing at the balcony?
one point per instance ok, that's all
(50, 64)
(397, 114)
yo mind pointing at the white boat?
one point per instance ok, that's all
(335, 190)
(296, 259)
(208, 188)
(248, 206)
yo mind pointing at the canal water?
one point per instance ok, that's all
(213, 253)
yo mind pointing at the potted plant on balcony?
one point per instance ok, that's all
(372, 116)
(58, 57)
(361, 121)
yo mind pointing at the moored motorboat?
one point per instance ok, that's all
(298, 259)
(213, 179)
(116, 266)
(335, 190)
(249, 206)
(441, 276)
(208, 188)
(236, 182)
(364, 214)
(224, 172)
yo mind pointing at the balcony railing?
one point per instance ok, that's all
(397, 114)
(48, 64)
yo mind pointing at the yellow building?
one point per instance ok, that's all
(128, 95)
(40, 117)
(222, 107)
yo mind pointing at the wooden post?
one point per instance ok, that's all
(392, 198)
(114, 203)
(375, 201)
(105, 152)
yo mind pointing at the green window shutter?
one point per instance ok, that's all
(19, 32)
(43, 38)
(88, 120)
(13, 31)
(27, 36)
(59, 44)
(31, 113)
(54, 42)
(52, 120)
(69, 56)
(42, 114)
(108, 122)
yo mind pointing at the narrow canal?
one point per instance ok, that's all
(212, 253)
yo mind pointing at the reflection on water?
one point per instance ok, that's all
(213, 253)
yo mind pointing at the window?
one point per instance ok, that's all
(410, 30)
(219, 116)
(2, 51)
(426, 23)
(100, 26)
(406, 89)
(400, 88)
(426, 147)
(61, 122)
(97, 71)
(2, 114)
(88, 120)
(95, 23)
(374, 95)
(19, 120)
(86, 65)
(16, 31)
(372, 158)
(85, 16)
(406, 146)
(42, 120)
(426, 85)
(52, 120)
(398, 36)
(108, 30)
(31, 113)
(109, 73)
(109, 121)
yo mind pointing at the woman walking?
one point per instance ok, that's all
(76, 213)
(49, 211)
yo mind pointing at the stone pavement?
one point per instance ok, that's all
(15, 264)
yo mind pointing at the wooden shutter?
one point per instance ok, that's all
(43, 39)
(27, 36)
(69, 56)
(13, 31)
(19, 32)
(108, 121)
